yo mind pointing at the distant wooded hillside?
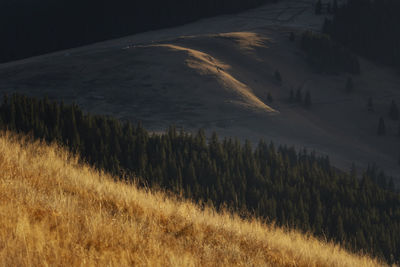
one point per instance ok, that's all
(369, 28)
(31, 28)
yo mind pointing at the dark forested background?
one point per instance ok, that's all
(369, 28)
(293, 188)
(29, 27)
(328, 56)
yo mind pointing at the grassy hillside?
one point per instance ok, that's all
(55, 211)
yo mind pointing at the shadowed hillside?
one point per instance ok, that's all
(49, 26)
(55, 211)
(225, 82)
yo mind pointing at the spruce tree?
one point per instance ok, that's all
(381, 127)
(12, 115)
(299, 96)
(278, 76)
(391, 184)
(370, 104)
(349, 84)
(329, 8)
(340, 233)
(307, 100)
(360, 237)
(270, 98)
(353, 171)
(335, 6)
(326, 55)
(326, 26)
(318, 7)
(292, 37)
(394, 111)
(291, 96)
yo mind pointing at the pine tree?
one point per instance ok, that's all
(269, 98)
(292, 37)
(391, 184)
(394, 111)
(335, 6)
(381, 127)
(349, 84)
(318, 7)
(318, 219)
(328, 8)
(370, 105)
(360, 237)
(326, 26)
(299, 96)
(340, 233)
(291, 96)
(353, 171)
(307, 100)
(278, 76)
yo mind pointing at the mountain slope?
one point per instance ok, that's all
(55, 211)
(221, 83)
(207, 65)
(217, 74)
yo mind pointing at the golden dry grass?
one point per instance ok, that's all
(55, 211)
(247, 41)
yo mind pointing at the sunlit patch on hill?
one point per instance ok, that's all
(247, 41)
(208, 65)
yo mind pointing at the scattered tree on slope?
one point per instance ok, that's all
(381, 127)
(328, 56)
(394, 111)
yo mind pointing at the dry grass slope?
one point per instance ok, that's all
(55, 211)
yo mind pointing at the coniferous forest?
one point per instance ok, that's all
(31, 28)
(369, 28)
(293, 188)
(328, 56)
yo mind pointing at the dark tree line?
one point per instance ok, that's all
(29, 28)
(328, 8)
(328, 56)
(369, 28)
(297, 189)
(298, 98)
